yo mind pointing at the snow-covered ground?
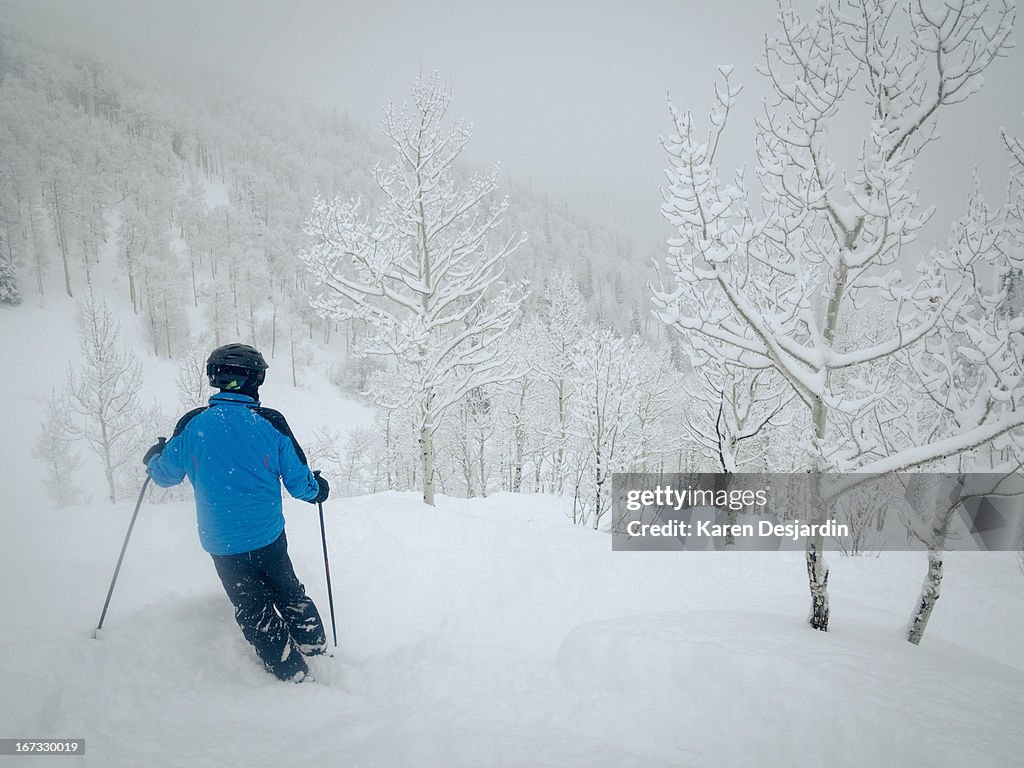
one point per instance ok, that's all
(492, 632)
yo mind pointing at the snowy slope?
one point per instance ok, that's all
(490, 632)
(39, 344)
(481, 633)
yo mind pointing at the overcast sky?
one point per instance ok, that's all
(569, 95)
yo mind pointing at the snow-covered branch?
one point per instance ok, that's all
(422, 273)
(770, 281)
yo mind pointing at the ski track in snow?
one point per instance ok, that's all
(493, 632)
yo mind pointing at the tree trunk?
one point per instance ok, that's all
(467, 461)
(481, 458)
(108, 467)
(195, 285)
(36, 251)
(558, 470)
(167, 328)
(817, 569)
(519, 431)
(427, 462)
(252, 322)
(929, 596)
(930, 590)
(387, 450)
(151, 309)
(216, 318)
(291, 337)
(517, 471)
(273, 332)
(722, 483)
(58, 221)
(131, 277)
(817, 575)
(233, 279)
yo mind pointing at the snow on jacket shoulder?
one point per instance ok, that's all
(236, 454)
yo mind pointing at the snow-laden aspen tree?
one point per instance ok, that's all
(423, 272)
(164, 296)
(53, 448)
(555, 336)
(730, 411)
(623, 391)
(762, 278)
(525, 409)
(933, 501)
(1012, 281)
(965, 373)
(937, 498)
(191, 380)
(101, 400)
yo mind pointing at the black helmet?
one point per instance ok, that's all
(236, 367)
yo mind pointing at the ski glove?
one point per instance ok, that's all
(325, 491)
(155, 450)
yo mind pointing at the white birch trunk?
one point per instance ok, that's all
(929, 596)
(427, 462)
(931, 588)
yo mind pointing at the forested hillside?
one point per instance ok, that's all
(223, 179)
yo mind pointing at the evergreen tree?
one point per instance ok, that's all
(9, 293)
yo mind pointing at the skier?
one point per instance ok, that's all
(235, 453)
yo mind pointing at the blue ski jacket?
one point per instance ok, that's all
(235, 453)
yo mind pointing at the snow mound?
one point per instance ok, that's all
(724, 686)
(493, 632)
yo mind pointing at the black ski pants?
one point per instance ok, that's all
(272, 608)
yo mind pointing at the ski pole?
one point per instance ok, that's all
(117, 569)
(327, 567)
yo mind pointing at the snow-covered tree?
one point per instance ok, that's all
(553, 338)
(54, 449)
(191, 380)
(933, 501)
(762, 280)
(10, 210)
(164, 299)
(399, 459)
(623, 390)
(21, 216)
(731, 406)
(864, 510)
(9, 292)
(974, 365)
(729, 412)
(325, 452)
(1012, 280)
(527, 410)
(424, 270)
(659, 398)
(360, 468)
(102, 398)
(467, 436)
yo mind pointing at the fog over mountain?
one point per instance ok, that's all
(570, 96)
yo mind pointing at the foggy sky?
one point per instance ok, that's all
(569, 95)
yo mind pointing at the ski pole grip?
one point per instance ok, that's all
(316, 473)
(162, 440)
